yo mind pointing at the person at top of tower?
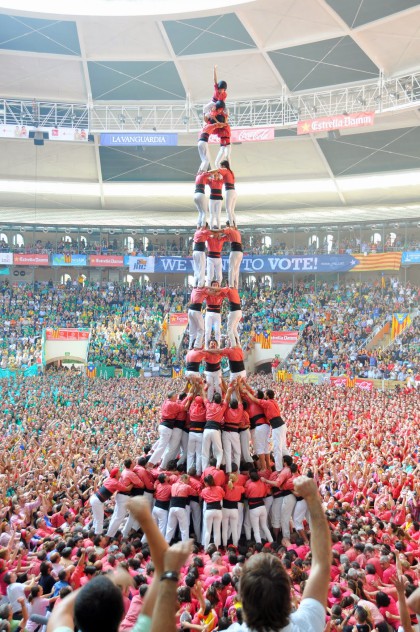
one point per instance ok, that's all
(219, 93)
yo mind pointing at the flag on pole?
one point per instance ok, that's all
(266, 340)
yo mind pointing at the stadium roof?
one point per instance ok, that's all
(124, 55)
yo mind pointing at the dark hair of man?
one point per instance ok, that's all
(99, 606)
(265, 593)
(128, 463)
(270, 393)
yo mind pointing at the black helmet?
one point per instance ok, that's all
(219, 105)
(222, 85)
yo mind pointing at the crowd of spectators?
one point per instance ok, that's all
(61, 434)
(334, 321)
(182, 246)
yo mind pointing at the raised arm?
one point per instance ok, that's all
(319, 579)
(215, 74)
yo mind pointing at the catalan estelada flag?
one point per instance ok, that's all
(266, 340)
(67, 258)
(381, 261)
(176, 371)
(351, 382)
(399, 323)
(259, 338)
(91, 371)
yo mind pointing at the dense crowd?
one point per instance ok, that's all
(126, 320)
(62, 435)
(181, 246)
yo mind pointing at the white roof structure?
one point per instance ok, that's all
(121, 54)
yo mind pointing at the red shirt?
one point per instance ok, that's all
(233, 353)
(233, 417)
(212, 494)
(235, 493)
(214, 300)
(270, 407)
(130, 477)
(112, 485)
(215, 412)
(233, 235)
(256, 489)
(218, 475)
(202, 234)
(162, 491)
(215, 244)
(202, 178)
(198, 295)
(170, 410)
(232, 295)
(198, 410)
(181, 490)
(228, 176)
(213, 358)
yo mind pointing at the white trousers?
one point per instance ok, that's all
(196, 518)
(268, 503)
(213, 322)
(215, 211)
(235, 259)
(300, 514)
(229, 525)
(258, 518)
(212, 521)
(234, 318)
(212, 441)
(98, 514)
(172, 449)
(195, 447)
(262, 437)
(199, 268)
(184, 448)
(195, 328)
(276, 512)
(279, 436)
(245, 439)
(214, 269)
(287, 508)
(164, 439)
(231, 196)
(231, 449)
(119, 513)
(161, 517)
(201, 204)
(223, 154)
(213, 379)
(204, 153)
(236, 374)
(177, 516)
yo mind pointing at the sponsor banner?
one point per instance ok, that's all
(339, 121)
(311, 378)
(410, 258)
(247, 135)
(339, 382)
(30, 260)
(69, 260)
(6, 258)
(67, 334)
(364, 385)
(178, 320)
(106, 261)
(377, 262)
(142, 264)
(264, 263)
(284, 337)
(138, 139)
(55, 133)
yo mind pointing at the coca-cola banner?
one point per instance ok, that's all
(339, 382)
(339, 121)
(364, 385)
(248, 135)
